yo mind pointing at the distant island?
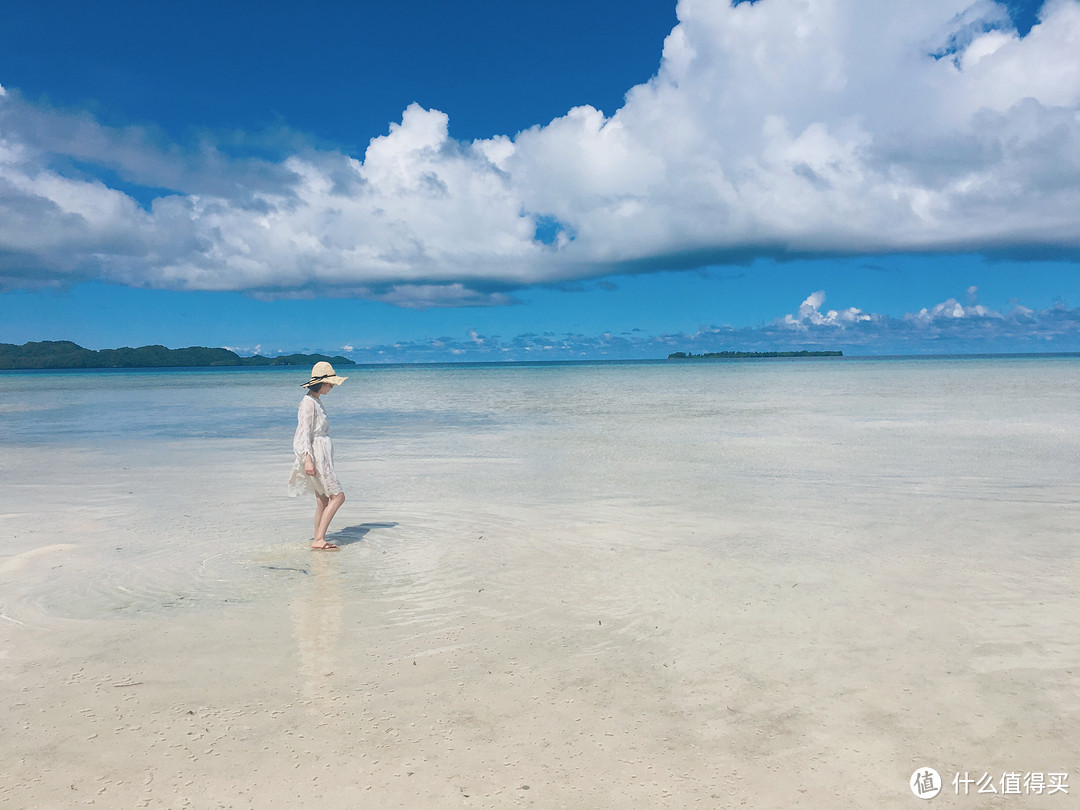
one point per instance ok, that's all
(59, 354)
(741, 355)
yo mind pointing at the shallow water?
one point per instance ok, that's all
(166, 488)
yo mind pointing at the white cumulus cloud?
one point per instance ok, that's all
(810, 314)
(778, 128)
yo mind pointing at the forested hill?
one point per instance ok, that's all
(65, 354)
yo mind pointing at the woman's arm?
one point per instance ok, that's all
(305, 431)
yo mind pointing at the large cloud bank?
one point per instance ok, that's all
(779, 128)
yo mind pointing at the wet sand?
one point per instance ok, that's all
(770, 602)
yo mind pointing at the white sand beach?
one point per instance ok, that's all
(763, 586)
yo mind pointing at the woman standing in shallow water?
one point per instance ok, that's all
(313, 469)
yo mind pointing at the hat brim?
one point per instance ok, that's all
(333, 380)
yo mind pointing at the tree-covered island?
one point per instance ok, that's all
(742, 355)
(63, 354)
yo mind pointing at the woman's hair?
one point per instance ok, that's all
(315, 386)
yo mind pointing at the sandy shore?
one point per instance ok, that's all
(795, 610)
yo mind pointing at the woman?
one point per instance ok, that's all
(313, 470)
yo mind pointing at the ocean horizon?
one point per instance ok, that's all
(571, 362)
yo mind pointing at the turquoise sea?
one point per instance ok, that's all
(84, 406)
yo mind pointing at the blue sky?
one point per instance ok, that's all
(420, 181)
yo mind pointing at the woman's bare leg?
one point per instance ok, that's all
(325, 512)
(320, 506)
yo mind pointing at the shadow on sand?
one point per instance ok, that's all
(355, 534)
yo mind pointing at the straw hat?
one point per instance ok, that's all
(323, 372)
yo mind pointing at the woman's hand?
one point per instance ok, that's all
(309, 468)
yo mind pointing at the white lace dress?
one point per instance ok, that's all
(313, 438)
